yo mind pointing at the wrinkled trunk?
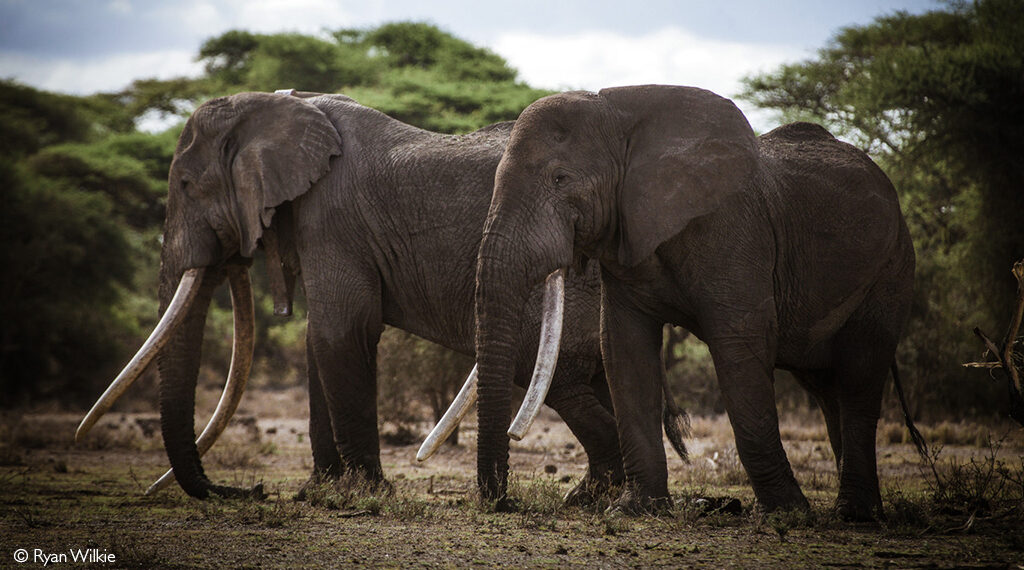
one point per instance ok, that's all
(497, 328)
(513, 260)
(178, 364)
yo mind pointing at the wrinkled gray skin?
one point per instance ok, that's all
(382, 222)
(785, 251)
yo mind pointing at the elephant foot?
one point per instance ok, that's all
(592, 490)
(505, 505)
(859, 511)
(634, 504)
(316, 480)
(352, 483)
(789, 499)
(382, 487)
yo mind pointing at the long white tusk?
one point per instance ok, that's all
(547, 354)
(238, 374)
(451, 419)
(173, 316)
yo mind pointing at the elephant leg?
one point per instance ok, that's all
(744, 364)
(822, 385)
(326, 459)
(862, 368)
(631, 348)
(580, 406)
(345, 324)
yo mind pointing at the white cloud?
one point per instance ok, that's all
(597, 59)
(200, 18)
(274, 16)
(102, 74)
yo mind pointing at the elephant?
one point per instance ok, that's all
(787, 250)
(381, 221)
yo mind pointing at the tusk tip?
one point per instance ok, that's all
(81, 432)
(516, 435)
(160, 483)
(423, 454)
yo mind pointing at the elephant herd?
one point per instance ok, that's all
(554, 249)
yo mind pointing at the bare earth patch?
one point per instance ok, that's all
(57, 497)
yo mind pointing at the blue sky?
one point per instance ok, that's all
(85, 46)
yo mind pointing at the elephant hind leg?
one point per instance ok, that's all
(864, 351)
(822, 386)
(862, 366)
(327, 462)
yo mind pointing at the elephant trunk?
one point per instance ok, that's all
(189, 304)
(238, 374)
(512, 260)
(496, 348)
(178, 365)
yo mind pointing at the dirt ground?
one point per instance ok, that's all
(59, 501)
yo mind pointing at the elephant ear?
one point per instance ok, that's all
(688, 150)
(282, 146)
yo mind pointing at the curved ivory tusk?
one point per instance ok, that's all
(238, 375)
(451, 419)
(173, 316)
(547, 354)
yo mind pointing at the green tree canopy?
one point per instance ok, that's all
(84, 192)
(412, 71)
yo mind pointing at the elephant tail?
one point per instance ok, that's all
(677, 422)
(922, 447)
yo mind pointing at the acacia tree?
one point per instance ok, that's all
(83, 189)
(938, 99)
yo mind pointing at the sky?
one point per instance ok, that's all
(88, 46)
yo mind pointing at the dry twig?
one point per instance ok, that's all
(1009, 362)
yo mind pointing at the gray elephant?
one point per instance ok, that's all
(382, 222)
(785, 251)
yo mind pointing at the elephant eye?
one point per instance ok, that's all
(188, 188)
(560, 179)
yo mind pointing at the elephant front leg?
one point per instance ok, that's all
(343, 336)
(744, 365)
(631, 347)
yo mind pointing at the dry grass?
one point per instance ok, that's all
(963, 508)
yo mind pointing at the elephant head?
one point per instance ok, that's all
(239, 160)
(610, 176)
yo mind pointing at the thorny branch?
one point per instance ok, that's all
(1009, 362)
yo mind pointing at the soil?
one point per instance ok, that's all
(59, 498)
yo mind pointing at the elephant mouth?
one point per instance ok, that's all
(172, 319)
(540, 382)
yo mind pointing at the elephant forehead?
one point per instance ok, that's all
(561, 115)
